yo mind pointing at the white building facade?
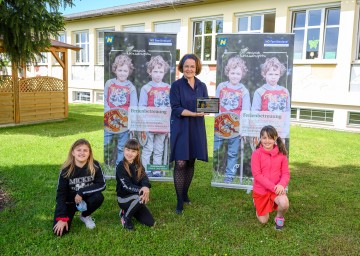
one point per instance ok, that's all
(326, 80)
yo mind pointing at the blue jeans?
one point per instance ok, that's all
(154, 146)
(122, 139)
(232, 154)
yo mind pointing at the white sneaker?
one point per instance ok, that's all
(89, 221)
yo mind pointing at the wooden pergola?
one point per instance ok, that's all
(36, 99)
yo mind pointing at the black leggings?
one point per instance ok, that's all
(183, 175)
(93, 202)
(133, 208)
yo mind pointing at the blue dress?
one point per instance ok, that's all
(187, 134)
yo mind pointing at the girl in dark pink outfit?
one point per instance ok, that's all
(270, 169)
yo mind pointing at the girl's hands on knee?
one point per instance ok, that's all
(59, 227)
(279, 190)
(144, 195)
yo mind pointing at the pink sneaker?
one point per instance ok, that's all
(279, 223)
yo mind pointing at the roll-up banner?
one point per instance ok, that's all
(138, 71)
(253, 77)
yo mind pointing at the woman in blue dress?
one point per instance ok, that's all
(187, 127)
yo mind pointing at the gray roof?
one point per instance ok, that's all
(141, 6)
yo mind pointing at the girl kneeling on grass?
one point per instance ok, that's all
(79, 188)
(270, 169)
(133, 187)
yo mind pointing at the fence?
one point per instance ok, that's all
(40, 99)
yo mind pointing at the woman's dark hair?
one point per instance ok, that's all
(192, 56)
(134, 145)
(272, 133)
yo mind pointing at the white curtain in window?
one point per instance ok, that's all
(134, 28)
(168, 27)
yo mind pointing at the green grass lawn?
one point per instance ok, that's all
(324, 215)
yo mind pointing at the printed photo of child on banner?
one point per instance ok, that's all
(138, 71)
(253, 77)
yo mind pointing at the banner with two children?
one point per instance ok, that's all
(254, 77)
(138, 71)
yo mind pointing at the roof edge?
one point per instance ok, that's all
(142, 6)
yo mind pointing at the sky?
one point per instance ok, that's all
(87, 5)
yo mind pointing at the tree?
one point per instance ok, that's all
(27, 27)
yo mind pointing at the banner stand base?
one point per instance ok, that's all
(248, 188)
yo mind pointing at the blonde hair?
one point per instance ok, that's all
(122, 60)
(272, 63)
(133, 144)
(69, 164)
(157, 61)
(235, 62)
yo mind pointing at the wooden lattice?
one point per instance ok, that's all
(6, 84)
(41, 84)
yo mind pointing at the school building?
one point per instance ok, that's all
(326, 75)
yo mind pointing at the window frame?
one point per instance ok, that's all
(101, 43)
(349, 119)
(81, 98)
(97, 95)
(357, 49)
(292, 110)
(251, 14)
(249, 23)
(84, 47)
(177, 57)
(60, 36)
(322, 27)
(312, 120)
(213, 34)
(42, 61)
(124, 27)
(166, 22)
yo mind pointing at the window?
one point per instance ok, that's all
(204, 38)
(43, 59)
(354, 118)
(100, 44)
(82, 40)
(355, 78)
(256, 23)
(316, 115)
(293, 113)
(169, 27)
(62, 37)
(134, 28)
(316, 33)
(99, 97)
(81, 96)
(358, 32)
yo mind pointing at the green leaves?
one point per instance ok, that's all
(27, 27)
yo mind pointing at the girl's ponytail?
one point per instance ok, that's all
(281, 146)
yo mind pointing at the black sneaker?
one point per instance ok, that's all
(127, 223)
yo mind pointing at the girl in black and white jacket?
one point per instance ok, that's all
(133, 187)
(79, 187)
